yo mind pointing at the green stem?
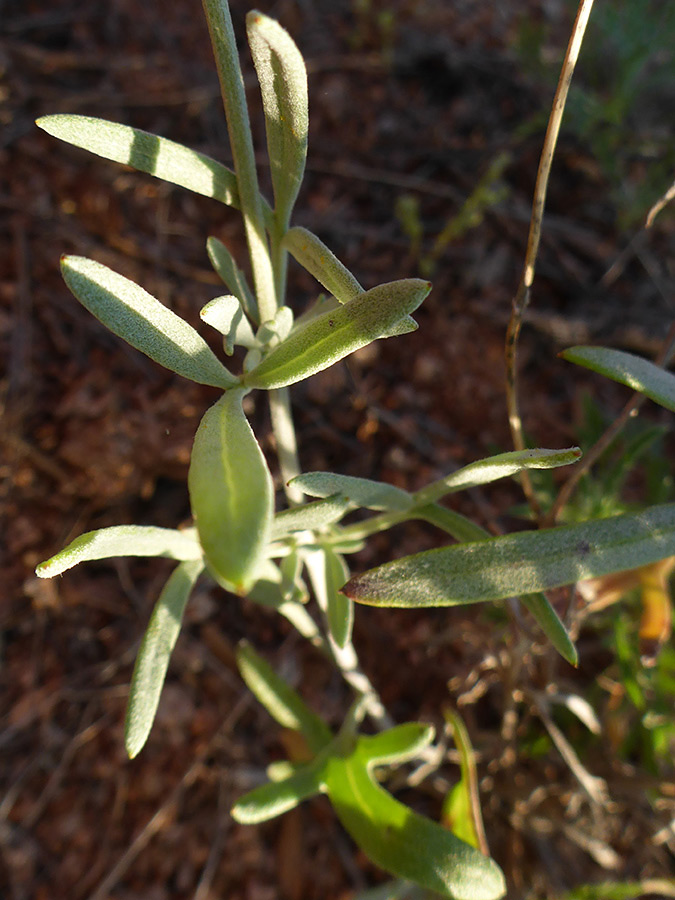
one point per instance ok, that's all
(287, 446)
(239, 128)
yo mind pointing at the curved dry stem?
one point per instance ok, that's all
(522, 297)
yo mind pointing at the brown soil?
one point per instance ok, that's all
(94, 434)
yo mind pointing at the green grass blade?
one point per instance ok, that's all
(516, 564)
(153, 657)
(122, 540)
(359, 491)
(633, 371)
(333, 335)
(283, 85)
(231, 493)
(280, 700)
(141, 320)
(147, 153)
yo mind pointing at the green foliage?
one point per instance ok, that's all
(271, 556)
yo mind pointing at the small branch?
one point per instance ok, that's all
(589, 459)
(287, 445)
(522, 297)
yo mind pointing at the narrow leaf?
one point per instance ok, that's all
(226, 316)
(232, 276)
(145, 323)
(550, 623)
(522, 563)
(309, 516)
(148, 153)
(461, 808)
(283, 85)
(314, 256)
(398, 744)
(401, 841)
(494, 468)
(280, 700)
(633, 371)
(231, 493)
(153, 657)
(340, 609)
(334, 335)
(122, 540)
(359, 491)
(277, 797)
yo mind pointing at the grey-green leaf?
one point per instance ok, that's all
(340, 609)
(310, 516)
(135, 315)
(552, 626)
(122, 540)
(280, 700)
(495, 467)
(153, 657)
(314, 256)
(521, 563)
(283, 85)
(277, 797)
(401, 841)
(333, 335)
(226, 268)
(626, 368)
(148, 153)
(359, 491)
(226, 316)
(231, 493)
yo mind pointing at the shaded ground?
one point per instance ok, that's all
(94, 434)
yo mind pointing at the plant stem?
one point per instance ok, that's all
(629, 411)
(287, 445)
(241, 141)
(522, 297)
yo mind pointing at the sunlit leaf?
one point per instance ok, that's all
(626, 368)
(330, 337)
(396, 745)
(522, 563)
(494, 468)
(146, 152)
(135, 315)
(277, 797)
(401, 841)
(231, 493)
(359, 491)
(277, 329)
(280, 700)
(153, 657)
(314, 256)
(226, 316)
(122, 540)
(283, 84)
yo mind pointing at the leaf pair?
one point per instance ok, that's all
(162, 632)
(392, 835)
